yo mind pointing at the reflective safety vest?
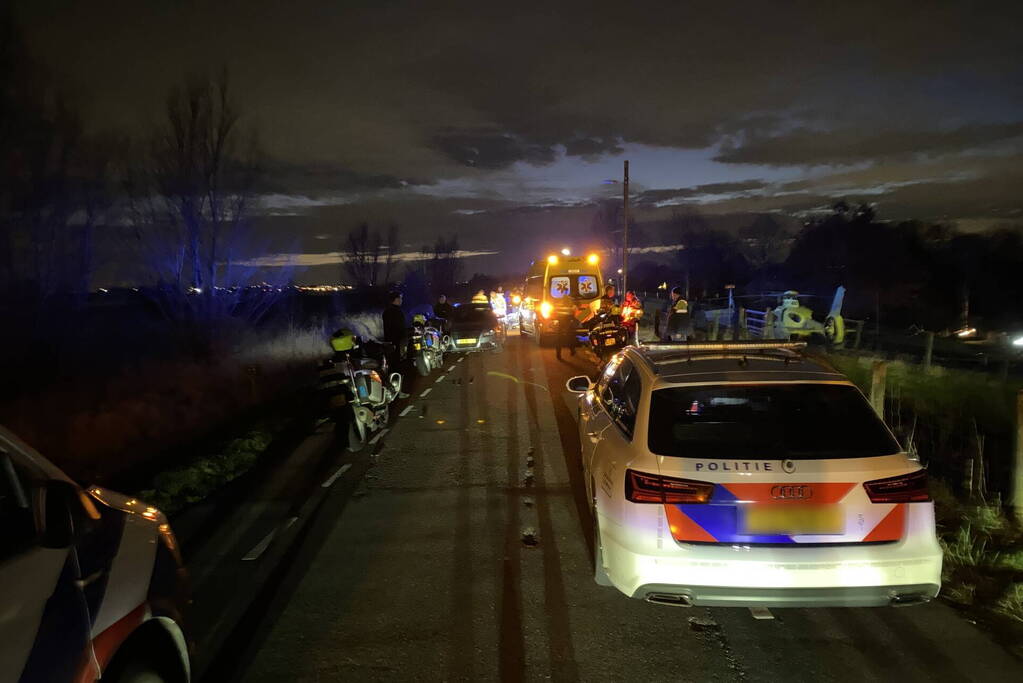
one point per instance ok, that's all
(498, 303)
(479, 298)
(680, 306)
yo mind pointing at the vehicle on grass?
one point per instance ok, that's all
(92, 581)
(607, 335)
(359, 389)
(474, 327)
(747, 474)
(794, 320)
(426, 346)
(557, 289)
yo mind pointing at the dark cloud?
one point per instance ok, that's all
(488, 149)
(592, 148)
(654, 196)
(315, 178)
(809, 147)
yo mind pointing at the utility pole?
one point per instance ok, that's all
(625, 229)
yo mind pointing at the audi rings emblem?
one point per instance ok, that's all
(791, 492)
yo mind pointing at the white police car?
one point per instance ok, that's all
(747, 474)
(91, 582)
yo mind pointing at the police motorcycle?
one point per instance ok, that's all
(358, 387)
(426, 346)
(608, 334)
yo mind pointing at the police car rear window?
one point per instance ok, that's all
(766, 422)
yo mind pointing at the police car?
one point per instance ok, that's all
(747, 474)
(91, 581)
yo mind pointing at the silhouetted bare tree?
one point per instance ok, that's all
(370, 258)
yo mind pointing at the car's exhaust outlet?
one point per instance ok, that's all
(908, 599)
(670, 599)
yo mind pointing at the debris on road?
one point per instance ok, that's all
(529, 537)
(703, 624)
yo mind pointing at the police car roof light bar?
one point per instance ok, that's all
(723, 346)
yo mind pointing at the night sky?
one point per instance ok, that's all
(503, 121)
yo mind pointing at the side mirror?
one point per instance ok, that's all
(579, 384)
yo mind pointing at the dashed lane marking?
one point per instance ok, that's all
(260, 547)
(427, 391)
(451, 368)
(405, 412)
(439, 379)
(333, 477)
(461, 359)
(379, 434)
(761, 613)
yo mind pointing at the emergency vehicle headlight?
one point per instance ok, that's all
(516, 299)
(552, 259)
(592, 259)
(546, 309)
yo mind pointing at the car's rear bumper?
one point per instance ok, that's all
(728, 596)
(857, 574)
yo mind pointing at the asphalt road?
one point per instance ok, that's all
(460, 550)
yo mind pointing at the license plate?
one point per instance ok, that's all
(466, 342)
(792, 519)
(609, 342)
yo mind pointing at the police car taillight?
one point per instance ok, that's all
(905, 488)
(641, 487)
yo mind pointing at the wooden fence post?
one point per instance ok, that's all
(743, 324)
(1017, 461)
(714, 327)
(877, 386)
(928, 351)
(768, 331)
(859, 334)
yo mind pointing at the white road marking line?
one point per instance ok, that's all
(461, 359)
(405, 412)
(451, 368)
(423, 395)
(439, 379)
(761, 613)
(330, 482)
(289, 522)
(379, 434)
(260, 547)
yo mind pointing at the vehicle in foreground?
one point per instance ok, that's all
(474, 327)
(747, 474)
(92, 581)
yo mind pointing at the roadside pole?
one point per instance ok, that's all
(625, 230)
(1017, 461)
(878, 375)
(928, 351)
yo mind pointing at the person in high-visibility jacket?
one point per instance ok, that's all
(498, 303)
(479, 297)
(673, 323)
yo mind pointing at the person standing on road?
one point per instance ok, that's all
(673, 322)
(443, 311)
(564, 336)
(395, 334)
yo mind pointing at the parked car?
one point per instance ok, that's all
(748, 474)
(92, 581)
